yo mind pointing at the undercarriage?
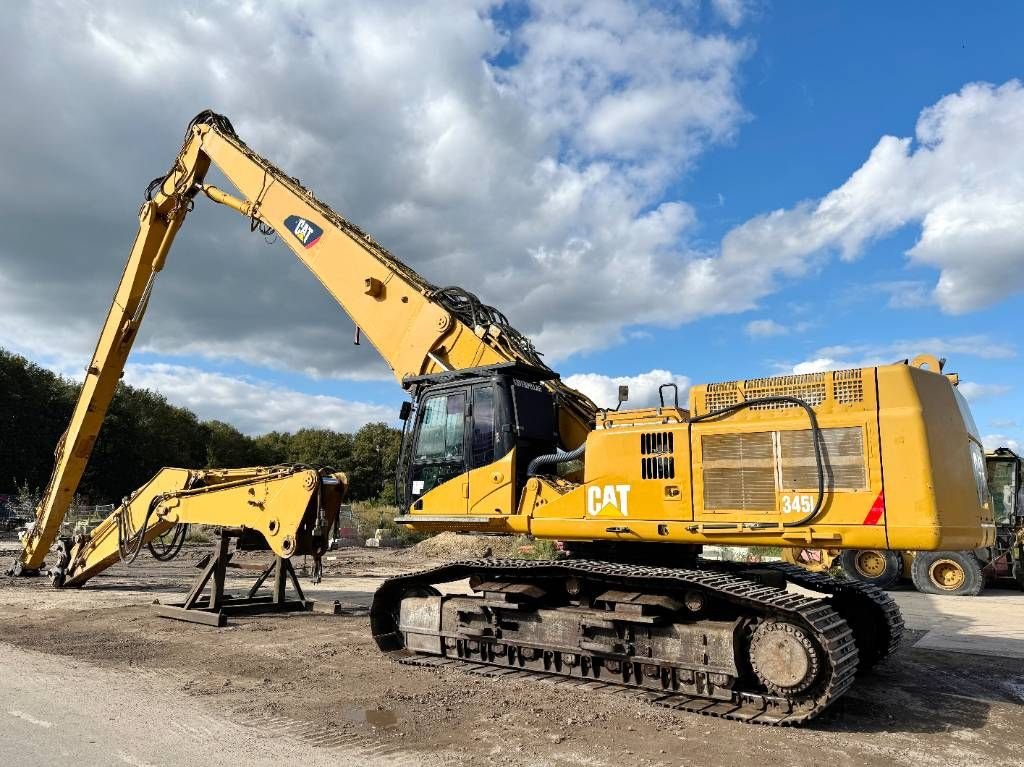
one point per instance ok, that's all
(718, 639)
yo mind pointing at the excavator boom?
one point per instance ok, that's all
(418, 328)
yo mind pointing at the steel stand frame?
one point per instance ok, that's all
(214, 608)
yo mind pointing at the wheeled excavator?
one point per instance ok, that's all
(495, 442)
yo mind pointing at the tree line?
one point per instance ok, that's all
(143, 433)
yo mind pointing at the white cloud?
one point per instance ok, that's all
(843, 356)
(958, 179)
(765, 329)
(253, 407)
(905, 294)
(730, 11)
(643, 387)
(537, 184)
(979, 391)
(992, 441)
(820, 364)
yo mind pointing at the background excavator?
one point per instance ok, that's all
(494, 442)
(953, 573)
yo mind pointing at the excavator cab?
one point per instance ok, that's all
(478, 425)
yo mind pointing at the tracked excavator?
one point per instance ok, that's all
(495, 442)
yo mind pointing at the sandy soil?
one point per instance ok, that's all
(319, 678)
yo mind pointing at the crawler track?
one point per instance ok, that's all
(746, 700)
(873, 615)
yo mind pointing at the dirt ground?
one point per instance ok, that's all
(319, 678)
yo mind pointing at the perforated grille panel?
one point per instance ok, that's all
(842, 387)
(739, 471)
(848, 386)
(843, 454)
(742, 472)
(657, 447)
(810, 388)
(721, 395)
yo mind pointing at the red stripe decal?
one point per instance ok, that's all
(877, 510)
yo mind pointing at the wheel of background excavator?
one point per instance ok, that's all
(812, 560)
(875, 566)
(956, 573)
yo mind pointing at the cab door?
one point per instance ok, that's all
(439, 453)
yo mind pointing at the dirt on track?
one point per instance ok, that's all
(320, 677)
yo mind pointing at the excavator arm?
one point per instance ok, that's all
(292, 508)
(418, 328)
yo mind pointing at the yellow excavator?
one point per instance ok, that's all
(495, 442)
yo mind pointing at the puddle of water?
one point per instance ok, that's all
(378, 718)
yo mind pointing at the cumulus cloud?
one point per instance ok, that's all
(527, 163)
(958, 179)
(992, 441)
(979, 391)
(842, 356)
(253, 407)
(643, 387)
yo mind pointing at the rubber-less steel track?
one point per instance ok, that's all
(749, 703)
(873, 615)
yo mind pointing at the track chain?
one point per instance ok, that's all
(832, 633)
(867, 608)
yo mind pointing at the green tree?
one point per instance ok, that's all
(375, 449)
(228, 448)
(321, 448)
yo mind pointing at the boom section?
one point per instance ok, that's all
(159, 221)
(418, 328)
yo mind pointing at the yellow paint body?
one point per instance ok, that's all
(649, 475)
(280, 503)
(904, 478)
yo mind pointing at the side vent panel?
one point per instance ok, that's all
(744, 471)
(739, 471)
(657, 461)
(842, 450)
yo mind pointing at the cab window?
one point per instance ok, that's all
(482, 443)
(442, 428)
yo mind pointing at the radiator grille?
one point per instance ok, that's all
(743, 472)
(843, 454)
(739, 471)
(656, 442)
(657, 447)
(658, 467)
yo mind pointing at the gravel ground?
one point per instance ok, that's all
(320, 679)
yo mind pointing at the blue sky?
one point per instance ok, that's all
(824, 82)
(701, 191)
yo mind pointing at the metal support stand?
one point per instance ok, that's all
(214, 608)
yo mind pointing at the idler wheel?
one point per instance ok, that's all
(783, 657)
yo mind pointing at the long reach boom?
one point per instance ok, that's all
(418, 328)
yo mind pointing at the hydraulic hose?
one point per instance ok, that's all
(815, 437)
(554, 458)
